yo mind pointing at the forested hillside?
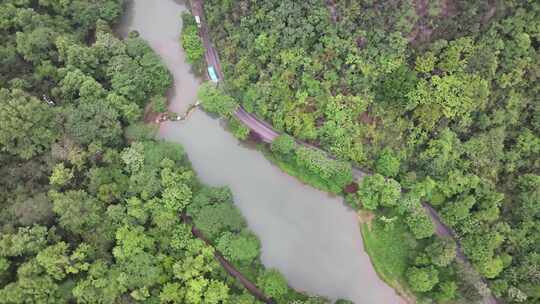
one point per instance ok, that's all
(90, 202)
(440, 98)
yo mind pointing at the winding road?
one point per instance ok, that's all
(267, 134)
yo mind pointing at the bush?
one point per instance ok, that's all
(239, 130)
(216, 101)
(387, 164)
(140, 132)
(375, 190)
(191, 42)
(283, 144)
(442, 251)
(491, 268)
(422, 279)
(159, 104)
(420, 224)
(242, 247)
(273, 284)
(334, 172)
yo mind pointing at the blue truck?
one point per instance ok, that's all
(212, 74)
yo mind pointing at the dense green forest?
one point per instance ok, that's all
(91, 203)
(438, 98)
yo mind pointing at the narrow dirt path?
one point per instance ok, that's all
(231, 270)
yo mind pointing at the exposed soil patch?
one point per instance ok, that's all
(421, 7)
(421, 31)
(361, 42)
(491, 12)
(151, 117)
(332, 9)
(366, 119)
(366, 217)
(448, 8)
(351, 188)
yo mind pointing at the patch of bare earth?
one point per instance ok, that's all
(151, 117)
(366, 217)
(490, 13)
(448, 8)
(366, 119)
(332, 9)
(420, 29)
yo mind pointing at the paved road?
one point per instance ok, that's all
(267, 134)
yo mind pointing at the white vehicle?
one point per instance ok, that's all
(198, 21)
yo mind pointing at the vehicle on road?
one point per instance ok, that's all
(212, 74)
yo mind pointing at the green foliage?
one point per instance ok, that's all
(425, 63)
(91, 122)
(422, 279)
(36, 45)
(191, 42)
(139, 132)
(272, 283)
(242, 248)
(442, 252)
(28, 125)
(283, 144)
(450, 97)
(420, 224)
(334, 172)
(387, 164)
(133, 157)
(159, 104)
(459, 210)
(77, 211)
(451, 90)
(238, 129)
(390, 249)
(176, 198)
(26, 241)
(111, 230)
(395, 86)
(215, 219)
(215, 100)
(447, 291)
(375, 190)
(61, 175)
(491, 268)
(91, 216)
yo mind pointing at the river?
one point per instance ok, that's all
(310, 236)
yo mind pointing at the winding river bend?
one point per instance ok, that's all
(311, 237)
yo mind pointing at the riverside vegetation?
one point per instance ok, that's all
(438, 98)
(91, 203)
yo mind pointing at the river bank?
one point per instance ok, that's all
(295, 223)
